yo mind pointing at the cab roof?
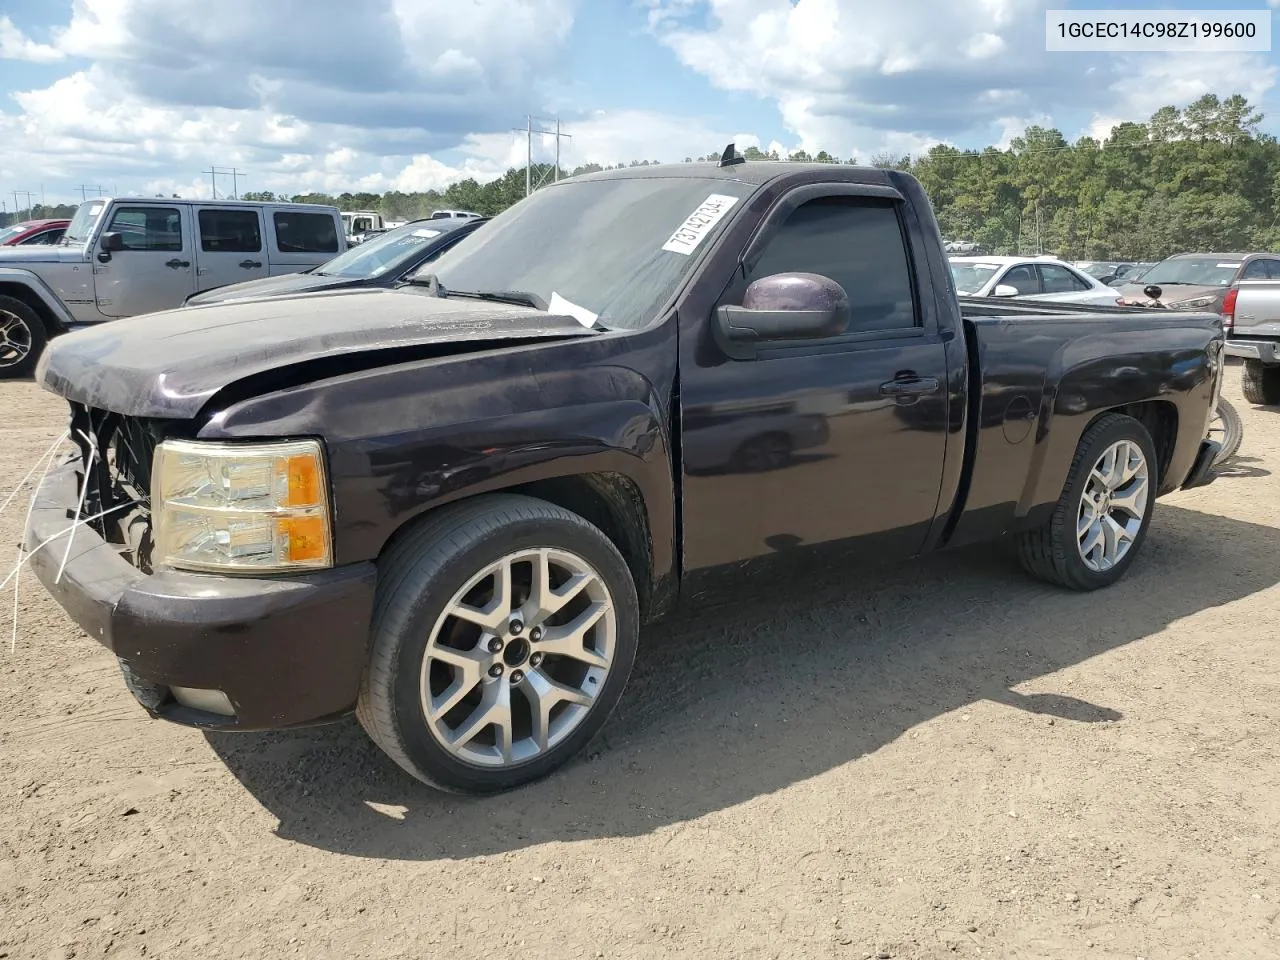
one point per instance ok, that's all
(753, 172)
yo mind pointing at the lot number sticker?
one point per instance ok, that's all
(699, 223)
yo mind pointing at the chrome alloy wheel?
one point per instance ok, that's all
(515, 661)
(15, 339)
(1112, 505)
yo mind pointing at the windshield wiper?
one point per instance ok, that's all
(520, 298)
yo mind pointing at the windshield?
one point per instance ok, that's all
(82, 223)
(1099, 270)
(608, 247)
(1197, 271)
(13, 231)
(972, 277)
(387, 251)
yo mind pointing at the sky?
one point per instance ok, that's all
(143, 96)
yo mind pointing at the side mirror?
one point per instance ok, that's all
(112, 242)
(1152, 292)
(785, 306)
(1004, 290)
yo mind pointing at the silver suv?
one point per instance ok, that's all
(125, 256)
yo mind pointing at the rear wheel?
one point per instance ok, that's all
(1261, 383)
(1103, 514)
(1227, 428)
(503, 635)
(22, 338)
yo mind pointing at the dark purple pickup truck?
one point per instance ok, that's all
(451, 506)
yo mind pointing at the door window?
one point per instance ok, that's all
(1022, 278)
(1259, 270)
(305, 232)
(858, 243)
(148, 228)
(1060, 280)
(230, 231)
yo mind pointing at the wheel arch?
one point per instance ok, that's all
(610, 501)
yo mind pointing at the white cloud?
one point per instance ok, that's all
(16, 45)
(845, 73)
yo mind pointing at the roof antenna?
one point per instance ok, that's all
(731, 156)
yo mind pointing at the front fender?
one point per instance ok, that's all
(36, 286)
(410, 438)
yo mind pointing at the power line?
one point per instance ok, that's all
(233, 172)
(528, 130)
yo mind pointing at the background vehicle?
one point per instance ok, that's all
(32, 233)
(1200, 281)
(356, 223)
(383, 261)
(1043, 278)
(450, 505)
(1104, 271)
(125, 256)
(1251, 314)
(453, 215)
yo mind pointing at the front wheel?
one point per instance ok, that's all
(1227, 428)
(504, 632)
(1103, 514)
(22, 338)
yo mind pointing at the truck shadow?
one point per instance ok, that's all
(730, 703)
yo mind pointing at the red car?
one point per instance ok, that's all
(31, 232)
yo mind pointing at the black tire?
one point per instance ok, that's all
(1052, 552)
(26, 329)
(1232, 431)
(1261, 383)
(417, 578)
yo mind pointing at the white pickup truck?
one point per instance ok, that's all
(126, 256)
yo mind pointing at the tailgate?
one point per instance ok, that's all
(1257, 311)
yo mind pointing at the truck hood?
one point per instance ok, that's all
(168, 365)
(284, 285)
(1171, 293)
(20, 256)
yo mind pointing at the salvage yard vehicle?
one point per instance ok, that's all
(123, 257)
(1252, 316)
(33, 233)
(384, 261)
(451, 506)
(1041, 278)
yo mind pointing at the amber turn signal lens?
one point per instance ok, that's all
(305, 538)
(304, 481)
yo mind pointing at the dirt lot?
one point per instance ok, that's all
(943, 759)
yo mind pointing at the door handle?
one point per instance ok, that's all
(175, 263)
(909, 386)
(250, 264)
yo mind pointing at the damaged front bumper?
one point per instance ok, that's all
(283, 651)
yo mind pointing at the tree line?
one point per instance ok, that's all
(1203, 177)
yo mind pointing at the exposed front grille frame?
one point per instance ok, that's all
(116, 454)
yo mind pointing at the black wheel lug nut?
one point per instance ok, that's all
(495, 645)
(516, 628)
(495, 670)
(535, 659)
(517, 676)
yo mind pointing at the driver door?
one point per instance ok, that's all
(156, 268)
(816, 443)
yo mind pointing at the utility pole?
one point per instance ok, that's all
(85, 187)
(528, 130)
(213, 179)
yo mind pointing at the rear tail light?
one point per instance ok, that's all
(1229, 309)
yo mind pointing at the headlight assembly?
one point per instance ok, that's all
(240, 508)
(1193, 303)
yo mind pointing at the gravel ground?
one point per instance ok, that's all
(941, 759)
